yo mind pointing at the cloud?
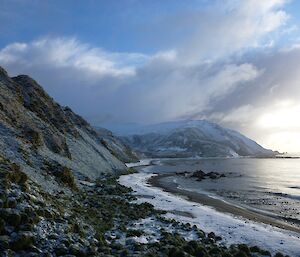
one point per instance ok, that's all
(131, 86)
(225, 69)
(69, 53)
(229, 27)
(266, 108)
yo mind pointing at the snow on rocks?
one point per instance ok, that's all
(233, 230)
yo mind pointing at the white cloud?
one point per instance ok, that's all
(160, 82)
(231, 27)
(70, 53)
(199, 77)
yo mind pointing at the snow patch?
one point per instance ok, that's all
(232, 229)
(143, 162)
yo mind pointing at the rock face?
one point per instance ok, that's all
(192, 139)
(116, 146)
(36, 133)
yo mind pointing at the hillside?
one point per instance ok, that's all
(192, 139)
(116, 146)
(37, 133)
(58, 190)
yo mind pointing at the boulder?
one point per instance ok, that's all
(22, 241)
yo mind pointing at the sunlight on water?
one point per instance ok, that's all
(269, 185)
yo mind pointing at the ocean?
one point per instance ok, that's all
(270, 186)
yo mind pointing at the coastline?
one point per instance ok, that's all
(232, 229)
(217, 204)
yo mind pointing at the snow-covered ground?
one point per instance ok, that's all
(232, 229)
(143, 162)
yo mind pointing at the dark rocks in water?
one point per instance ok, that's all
(200, 175)
(215, 175)
(182, 173)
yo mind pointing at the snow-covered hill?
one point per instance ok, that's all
(192, 138)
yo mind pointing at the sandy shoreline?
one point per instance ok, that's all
(219, 205)
(232, 228)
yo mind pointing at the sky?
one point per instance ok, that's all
(233, 62)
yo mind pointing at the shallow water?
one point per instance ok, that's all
(265, 185)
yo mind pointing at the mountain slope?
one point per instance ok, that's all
(116, 146)
(37, 133)
(191, 139)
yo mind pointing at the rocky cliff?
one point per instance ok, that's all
(39, 134)
(116, 146)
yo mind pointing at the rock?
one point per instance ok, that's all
(48, 214)
(244, 248)
(34, 249)
(218, 238)
(23, 240)
(212, 175)
(66, 242)
(53, 236)
(2, 225)
(211, 235)
(4, 242)
(61, 250)
(240, 254)
(200, 233)
(16, 175)
(92, 250)
(77, 250)
(199, 174)
(278, 255)
(11, 216)
(11, 202)
(130, 241)
(116, 246)
(7, 253)
(24, 218)
(26, 227)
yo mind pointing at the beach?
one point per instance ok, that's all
(219, 205)
(235, 225)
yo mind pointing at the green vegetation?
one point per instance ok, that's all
(33, 136)
(62, 173)
(65, 175)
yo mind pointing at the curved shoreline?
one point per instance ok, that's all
(217, 204)
(233, 229)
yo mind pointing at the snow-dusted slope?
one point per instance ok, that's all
(192, 138)
(116, 146)
(40, 135)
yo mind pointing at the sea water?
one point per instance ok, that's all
(270, 185)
